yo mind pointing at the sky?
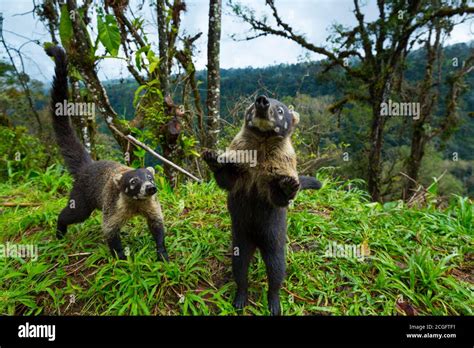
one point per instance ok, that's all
(313, 18)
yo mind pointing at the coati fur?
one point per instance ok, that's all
(258, 196)
(119, 191)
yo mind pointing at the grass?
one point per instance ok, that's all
(421, 260)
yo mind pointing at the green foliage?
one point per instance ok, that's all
(21, 154)
(462, 209)
(433, 165)
(66, 31)
(138, 56)
(51, 180)
(420, 256)
(151, 63)
(65, 27)
(109, 34)
(317, 138)
(188, 145)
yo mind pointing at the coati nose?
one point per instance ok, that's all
(151, 190)
(262, 103)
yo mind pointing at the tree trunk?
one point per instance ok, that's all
(374, 169)
(162, 45)
(86, 66)
(5, 121)
(414, 161)
(213, 72)
(428, 98)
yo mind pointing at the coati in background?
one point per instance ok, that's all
(258, 196)
(119, 191)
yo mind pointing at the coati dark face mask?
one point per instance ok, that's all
(270, 118)
(138, 183)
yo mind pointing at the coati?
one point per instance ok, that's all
(119, 191)
(258, 196)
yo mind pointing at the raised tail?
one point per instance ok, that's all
(74, 154)
(309, 183)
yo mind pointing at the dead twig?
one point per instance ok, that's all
(299, 297)
(419, 195)
(13, 204)
(152, 152)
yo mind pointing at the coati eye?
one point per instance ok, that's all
(133, 181)
(149, 177)
(280, 110)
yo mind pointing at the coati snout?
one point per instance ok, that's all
(269, 117)
(261, 106)
(138, 183)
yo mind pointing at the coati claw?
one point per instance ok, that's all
(274, 307)
(121, 255)
(283, 190)
(210, 157)
(240, 301)
(225, 173)
(163, 256)
(289, 186)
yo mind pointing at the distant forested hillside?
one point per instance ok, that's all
(289, 80)
(279, 80)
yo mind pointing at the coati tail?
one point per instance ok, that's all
(309, 183)
(74, 154)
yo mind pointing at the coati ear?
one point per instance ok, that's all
(295, 116)
(116, 178)
(151, 170)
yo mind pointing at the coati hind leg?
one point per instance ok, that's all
(283, 189)
(274, 258)
(76, 211)
(242, 253)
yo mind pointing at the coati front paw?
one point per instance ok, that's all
(240, 300)
(61, 230)
(163, 256)
(274, 306)
(283, 190)
(60, 234)
(210, 157)
(289, 186)
(121, 255)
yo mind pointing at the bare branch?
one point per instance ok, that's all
(21, 79)
(287, 32)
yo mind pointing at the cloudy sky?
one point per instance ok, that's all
(311, 17)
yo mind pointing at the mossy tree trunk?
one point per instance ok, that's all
(213, 72)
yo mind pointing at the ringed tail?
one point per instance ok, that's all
(74, 154)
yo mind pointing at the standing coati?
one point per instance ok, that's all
(258, 196)
(119, 191)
